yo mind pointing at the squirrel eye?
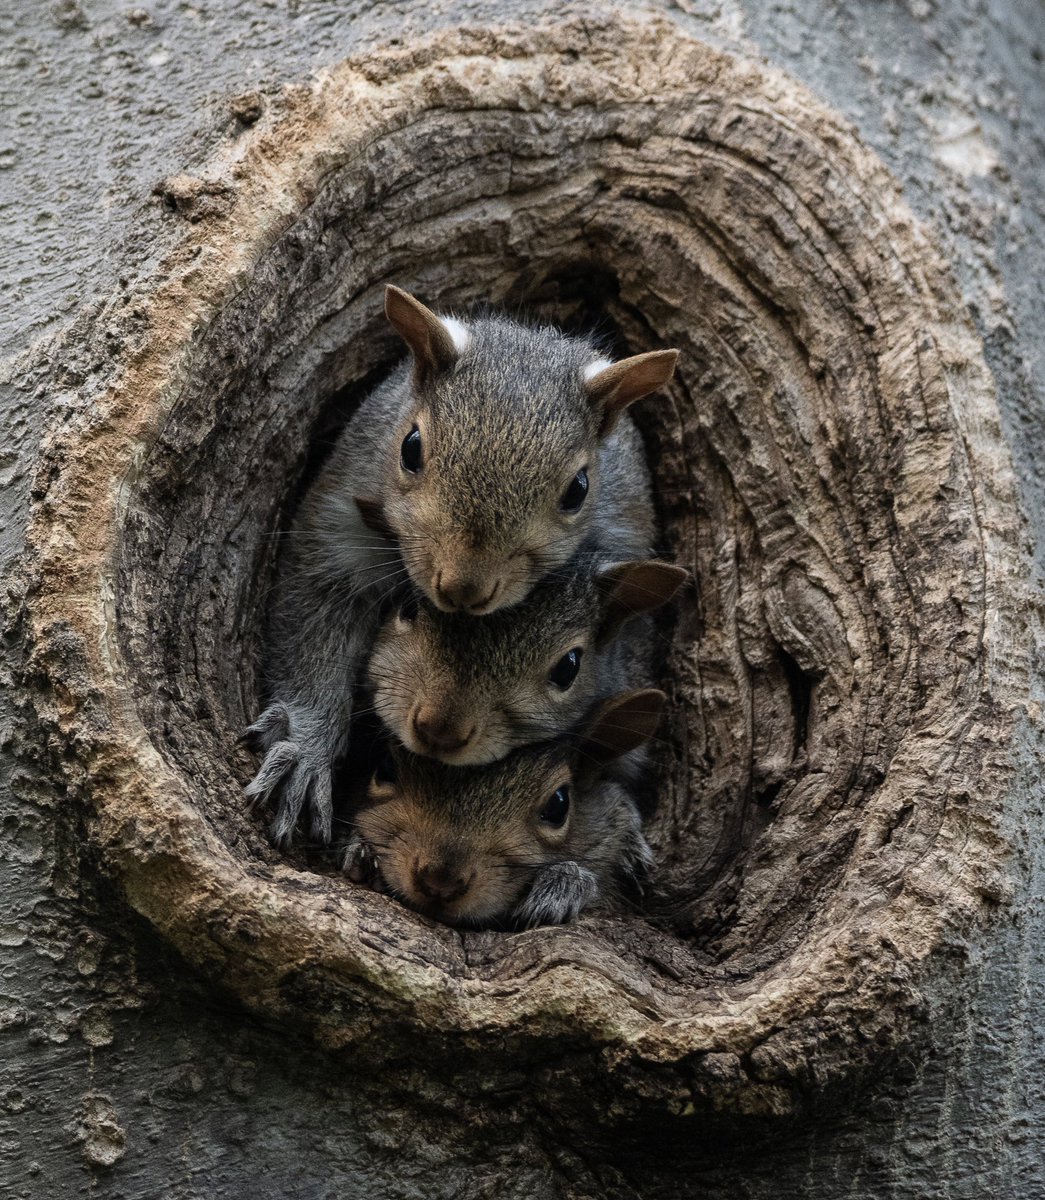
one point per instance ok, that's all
(408, 609)
(565, 670)
(385, 770)
(573, 497)
(410, 452)
(557, 809)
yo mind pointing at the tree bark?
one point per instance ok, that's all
(856, 738)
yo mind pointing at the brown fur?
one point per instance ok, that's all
(467, 692)
(467, 845)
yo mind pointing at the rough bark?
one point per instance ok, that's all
(831, 464)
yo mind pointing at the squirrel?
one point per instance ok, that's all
(478, 466)
(467, 691)
(530, 839)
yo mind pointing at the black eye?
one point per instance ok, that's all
(557, 809)
(408, 609)
(565, 670)
(410, 453)
(385, 771)
(573, 497)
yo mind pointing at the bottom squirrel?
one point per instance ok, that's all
(532, 839)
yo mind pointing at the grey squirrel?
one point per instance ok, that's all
(468, 691)
(475, 469)
(530, 839)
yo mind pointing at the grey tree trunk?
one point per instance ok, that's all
(835, 987)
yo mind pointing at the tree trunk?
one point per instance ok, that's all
(831, 988)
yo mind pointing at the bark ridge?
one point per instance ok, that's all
(829, 464)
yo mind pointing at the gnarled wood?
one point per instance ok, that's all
(828, 464)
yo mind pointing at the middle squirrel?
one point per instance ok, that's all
(467, 692)
(475, 470)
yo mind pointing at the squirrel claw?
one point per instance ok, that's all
(637, 860)
(359, 862)
(307, 786)
(271, 727)
(280, 760)
(296, 769)
(558, 895)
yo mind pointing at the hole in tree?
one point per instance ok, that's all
(651, 225)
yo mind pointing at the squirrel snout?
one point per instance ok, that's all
(442, 883)
(455, 592)
(439, 733)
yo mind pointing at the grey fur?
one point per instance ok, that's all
(509, 419)
(508, 422)
(558, 894)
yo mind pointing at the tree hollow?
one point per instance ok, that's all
(828, 462)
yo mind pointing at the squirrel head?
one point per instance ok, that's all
(463, 844)
(467, 692)
(492, 476)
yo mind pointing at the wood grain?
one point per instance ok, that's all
(829, 463)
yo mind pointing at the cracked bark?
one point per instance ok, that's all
(817, 468)
(830, 464)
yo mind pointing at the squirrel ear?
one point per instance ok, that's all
(432, 341)
(622, 724)
(636, 587)
(612, 388)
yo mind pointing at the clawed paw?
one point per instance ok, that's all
(296, 772)
(559, 893)
(271, 727)
(360, 863)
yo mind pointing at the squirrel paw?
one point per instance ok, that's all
(558, 894)
(271, 727)
(360, 863)
(297, 769)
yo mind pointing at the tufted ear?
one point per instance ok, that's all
(434, 343)
(631, 588)
(623, 723)
(611, 387)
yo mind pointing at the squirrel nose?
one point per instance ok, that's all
(460, 591)
(437, 731)
(437, 881)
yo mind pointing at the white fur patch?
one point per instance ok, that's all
(458, 331)
(595, 368)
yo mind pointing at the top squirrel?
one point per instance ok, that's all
(480, 465)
